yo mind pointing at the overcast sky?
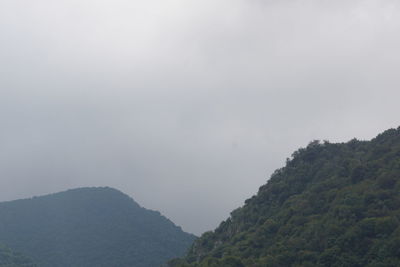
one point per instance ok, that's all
(186, 106)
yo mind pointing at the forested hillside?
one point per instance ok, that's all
(90, 227)
(331, 205)
(9, 258)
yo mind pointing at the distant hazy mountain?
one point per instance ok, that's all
(331, 205)
(90, 227)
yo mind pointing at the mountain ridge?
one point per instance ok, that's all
(91, 226)
(331, 205)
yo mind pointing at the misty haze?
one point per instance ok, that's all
(131, 128)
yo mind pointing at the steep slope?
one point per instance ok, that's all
(90, 227)
(331, 205)
(9, 258)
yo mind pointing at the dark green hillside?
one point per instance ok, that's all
(90, 227)
(331, 205)
(9, 258)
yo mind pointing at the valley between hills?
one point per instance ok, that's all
(332, 204)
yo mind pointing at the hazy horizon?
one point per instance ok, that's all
(188, 107)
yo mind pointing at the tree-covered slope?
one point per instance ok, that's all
(9, 258)
(331, 205)
(90, 227)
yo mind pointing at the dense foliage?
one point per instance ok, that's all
(331, 205)
(9, 258)
(90, 227)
